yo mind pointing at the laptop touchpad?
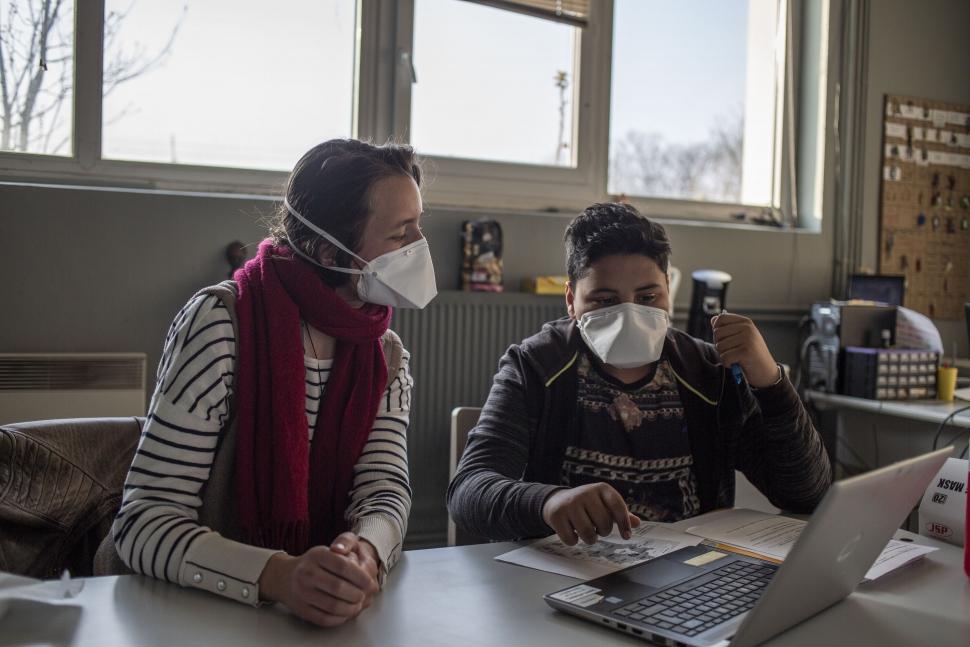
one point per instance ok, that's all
(659, 573)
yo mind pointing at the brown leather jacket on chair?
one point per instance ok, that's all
(60, 487)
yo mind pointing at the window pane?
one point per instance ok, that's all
(227, 83)
(37, 74)
(693, 105)
(492, 84)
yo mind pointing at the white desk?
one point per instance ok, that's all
(932, 411)
(460, 596)
(874, 433)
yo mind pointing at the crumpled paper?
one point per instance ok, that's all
(16, 587)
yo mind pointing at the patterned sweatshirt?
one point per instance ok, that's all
(514, 458)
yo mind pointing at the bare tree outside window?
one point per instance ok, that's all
(37, 71)
(646, 164)
(477, 101)
(561, 79)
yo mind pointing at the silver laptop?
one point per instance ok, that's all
(692, 597)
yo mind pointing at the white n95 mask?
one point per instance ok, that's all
(625, 335)
(403, 278)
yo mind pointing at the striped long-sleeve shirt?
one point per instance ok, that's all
(157, 532)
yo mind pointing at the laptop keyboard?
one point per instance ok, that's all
(703, 602)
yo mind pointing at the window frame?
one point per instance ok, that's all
(382, 111)
(86, 165)
(782, 187)
(463, 182)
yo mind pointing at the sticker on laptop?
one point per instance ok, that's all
(706, 558)
(581, 596)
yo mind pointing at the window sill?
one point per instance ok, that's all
(141, 190)
(667, 221)
(477, 211)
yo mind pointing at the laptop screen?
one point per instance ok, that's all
(880, 288)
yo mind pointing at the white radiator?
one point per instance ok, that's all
(455, 344)
(45, 386)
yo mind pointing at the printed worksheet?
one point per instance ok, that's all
(748, 531)
(609, 554)
(774, 535)
(766, 534)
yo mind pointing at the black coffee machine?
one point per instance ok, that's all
(707, 300)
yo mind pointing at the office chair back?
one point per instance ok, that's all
(463, 420)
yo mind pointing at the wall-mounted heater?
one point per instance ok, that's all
(45, 386)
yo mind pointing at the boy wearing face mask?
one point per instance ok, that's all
(609, 416)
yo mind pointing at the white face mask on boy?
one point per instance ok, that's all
(627, 335)
(403, 278)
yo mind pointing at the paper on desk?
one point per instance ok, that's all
(915, 330)
(962, 394)
(774, 535)
(895, 555)
(15, 587)
(608, 555)
(767, 534)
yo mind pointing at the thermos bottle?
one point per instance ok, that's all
(707, 300)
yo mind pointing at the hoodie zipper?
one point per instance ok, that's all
(697, 392)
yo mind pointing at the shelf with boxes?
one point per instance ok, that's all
(890, 373)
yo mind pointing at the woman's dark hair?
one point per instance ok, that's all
(608, 228)
(331, 187)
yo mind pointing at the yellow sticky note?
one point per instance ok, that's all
(706, 558)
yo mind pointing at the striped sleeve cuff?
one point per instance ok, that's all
(384, 534)
(777, 400)
(533, 500)
(225, 567)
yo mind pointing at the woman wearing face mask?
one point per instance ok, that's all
(610, 416)
(273, 465)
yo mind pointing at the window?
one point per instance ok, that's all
(207, 83)
(693, 111)
(507, 99)
(37, 76)
(685, 108)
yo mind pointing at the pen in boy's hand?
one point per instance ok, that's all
(735, 367)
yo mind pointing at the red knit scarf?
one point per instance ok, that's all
(291, 493)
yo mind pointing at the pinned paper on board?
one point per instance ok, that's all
(924, 230)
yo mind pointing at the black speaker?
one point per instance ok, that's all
(707, 300)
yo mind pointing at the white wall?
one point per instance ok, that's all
(920, 49)
(106, 271)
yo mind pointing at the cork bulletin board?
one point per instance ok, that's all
(924, 209)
